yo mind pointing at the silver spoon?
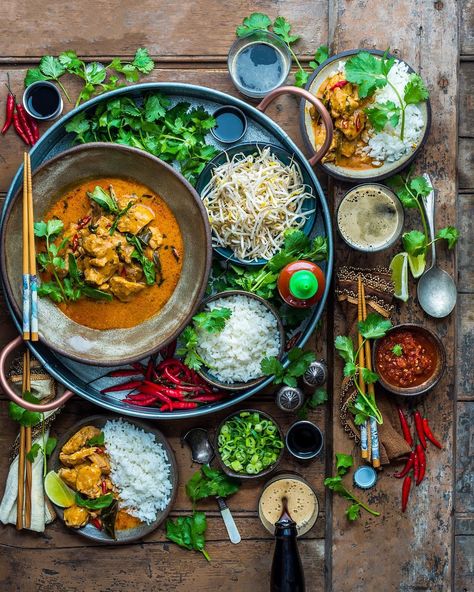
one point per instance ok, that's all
(436, 289)
(203, 453)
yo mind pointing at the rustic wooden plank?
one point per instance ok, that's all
(464, 500)
(464, 566)
(466, 100)
(464, 248)
(466, 164)
(466, 32)
(465, 346)
(150, 568)
(116, 28)
(422, 561)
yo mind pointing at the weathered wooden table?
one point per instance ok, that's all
(429, 548)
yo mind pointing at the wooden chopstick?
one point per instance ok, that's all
(364, 442)
(29, 465)
(370, 387)
(26, 259)
(32, 256)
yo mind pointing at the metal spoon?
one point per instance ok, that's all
(436, 289)
(203, 453)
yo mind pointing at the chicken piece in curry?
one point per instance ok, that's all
(347, 110)
(127, 251)
(86, 470)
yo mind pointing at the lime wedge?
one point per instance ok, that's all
(417, 264)
(57, 491)
(399, 269)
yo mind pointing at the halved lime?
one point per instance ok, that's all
(417, 264)
(57, 491)
(399, 269)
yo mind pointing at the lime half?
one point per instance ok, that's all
(417, 265)
(57, 491)
(399, 269)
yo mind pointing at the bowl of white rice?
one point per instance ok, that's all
(253, 332)
(387, 154)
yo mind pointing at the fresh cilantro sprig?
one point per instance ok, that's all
(173, 133)
(212, 321)
(411, 191)
(343, 463)
(97, 77)
(298, 362)
(371, 73)
(209, 482)
(189, 532)
(374, 327)
(258, 21)
(397, 350)
(38, 448)
(319, 397)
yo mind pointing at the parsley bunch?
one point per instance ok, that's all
(410, 191)
(298, 362)
(371, 73)
(343, 463)
(374, 327)
(174, 134)
(258, 21)
(97, 78)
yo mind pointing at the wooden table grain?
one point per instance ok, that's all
(431, 547)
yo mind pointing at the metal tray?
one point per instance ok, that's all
(86, 380)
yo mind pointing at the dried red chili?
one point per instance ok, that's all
(419, 428)
(429, 434)
(75, 243)
(83, 222)
(406, 469)
(406, 492)
(405, 427)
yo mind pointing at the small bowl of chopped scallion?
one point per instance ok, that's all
(249, 444)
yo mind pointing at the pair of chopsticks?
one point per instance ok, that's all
(30, 332)
(369, 438)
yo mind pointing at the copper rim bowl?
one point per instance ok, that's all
(227, 469)
(430, 382)
(116, 346)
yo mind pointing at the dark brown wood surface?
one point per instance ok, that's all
(412, 552)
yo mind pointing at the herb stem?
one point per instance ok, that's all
(370, 403)
(402, 107)
(61, 86)
(361, 504)
(295, 58)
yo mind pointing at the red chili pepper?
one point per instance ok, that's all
(416, 467)
(161, 396)
(139, 367)
(293, 341)
(141, 400)
(117, 373)
(419, 428)
(83, 222)
(405, 427)
(97, 523)
(429, 434)
(406, 492)
(184, 405)
(19, 129)
(10, 108)
(357, 122)
(24, 123)
(169, 350)
(170, 376)
(421, 463)
(149, 369)
(99, 450)
(407, 467)
(151, 387)
(209, 398)
(126, 386)
(339, 84)
(75, 243)
(104, 487)
(33, 126)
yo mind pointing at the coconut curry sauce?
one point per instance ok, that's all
(107, 262)
(347, 110)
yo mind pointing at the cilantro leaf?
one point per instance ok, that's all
(369, 376)
(188, 348)
(349, 369)
(343, 463)
(98, 440)
(256, 21)
(420, 186)
(353, 512)
(374, 326)
(397, 350)
(282, 28)
(207, 482)
(368, 72)
(23, 416)
(33, 452)
(212, 321)
(301, 78)
(383, 113)
(319, 397)
(142, 61)
(50, 446)
(449, 233)
(51, 67)
(415, 90)
(33, 75)
(71, 62)
(345, 348)
(321, 55)
(188, 532)
(414, 242)
(271, 366)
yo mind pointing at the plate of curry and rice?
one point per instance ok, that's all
(380, 110)
(117, 479)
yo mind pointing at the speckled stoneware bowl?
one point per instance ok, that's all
(118, 346)
(132, 534)
(343, 173)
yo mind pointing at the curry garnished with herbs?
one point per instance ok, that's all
(110, 253)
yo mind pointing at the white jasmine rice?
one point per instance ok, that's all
(140, 469)
(250, 334)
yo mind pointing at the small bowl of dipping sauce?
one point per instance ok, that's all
(42, 100)
(258, 63)
(370, 218)
(231, 124)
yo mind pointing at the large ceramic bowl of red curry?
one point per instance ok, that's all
(409, 359)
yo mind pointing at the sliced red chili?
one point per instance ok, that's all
(339, 84)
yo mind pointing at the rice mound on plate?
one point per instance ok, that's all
(140, 469)
(250, 334)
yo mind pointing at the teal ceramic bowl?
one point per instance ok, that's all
(286, 158)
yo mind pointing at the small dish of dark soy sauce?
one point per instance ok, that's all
(304, 440)
(42, 100)
(231, 124)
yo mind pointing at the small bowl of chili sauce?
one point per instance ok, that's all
(409, 360)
